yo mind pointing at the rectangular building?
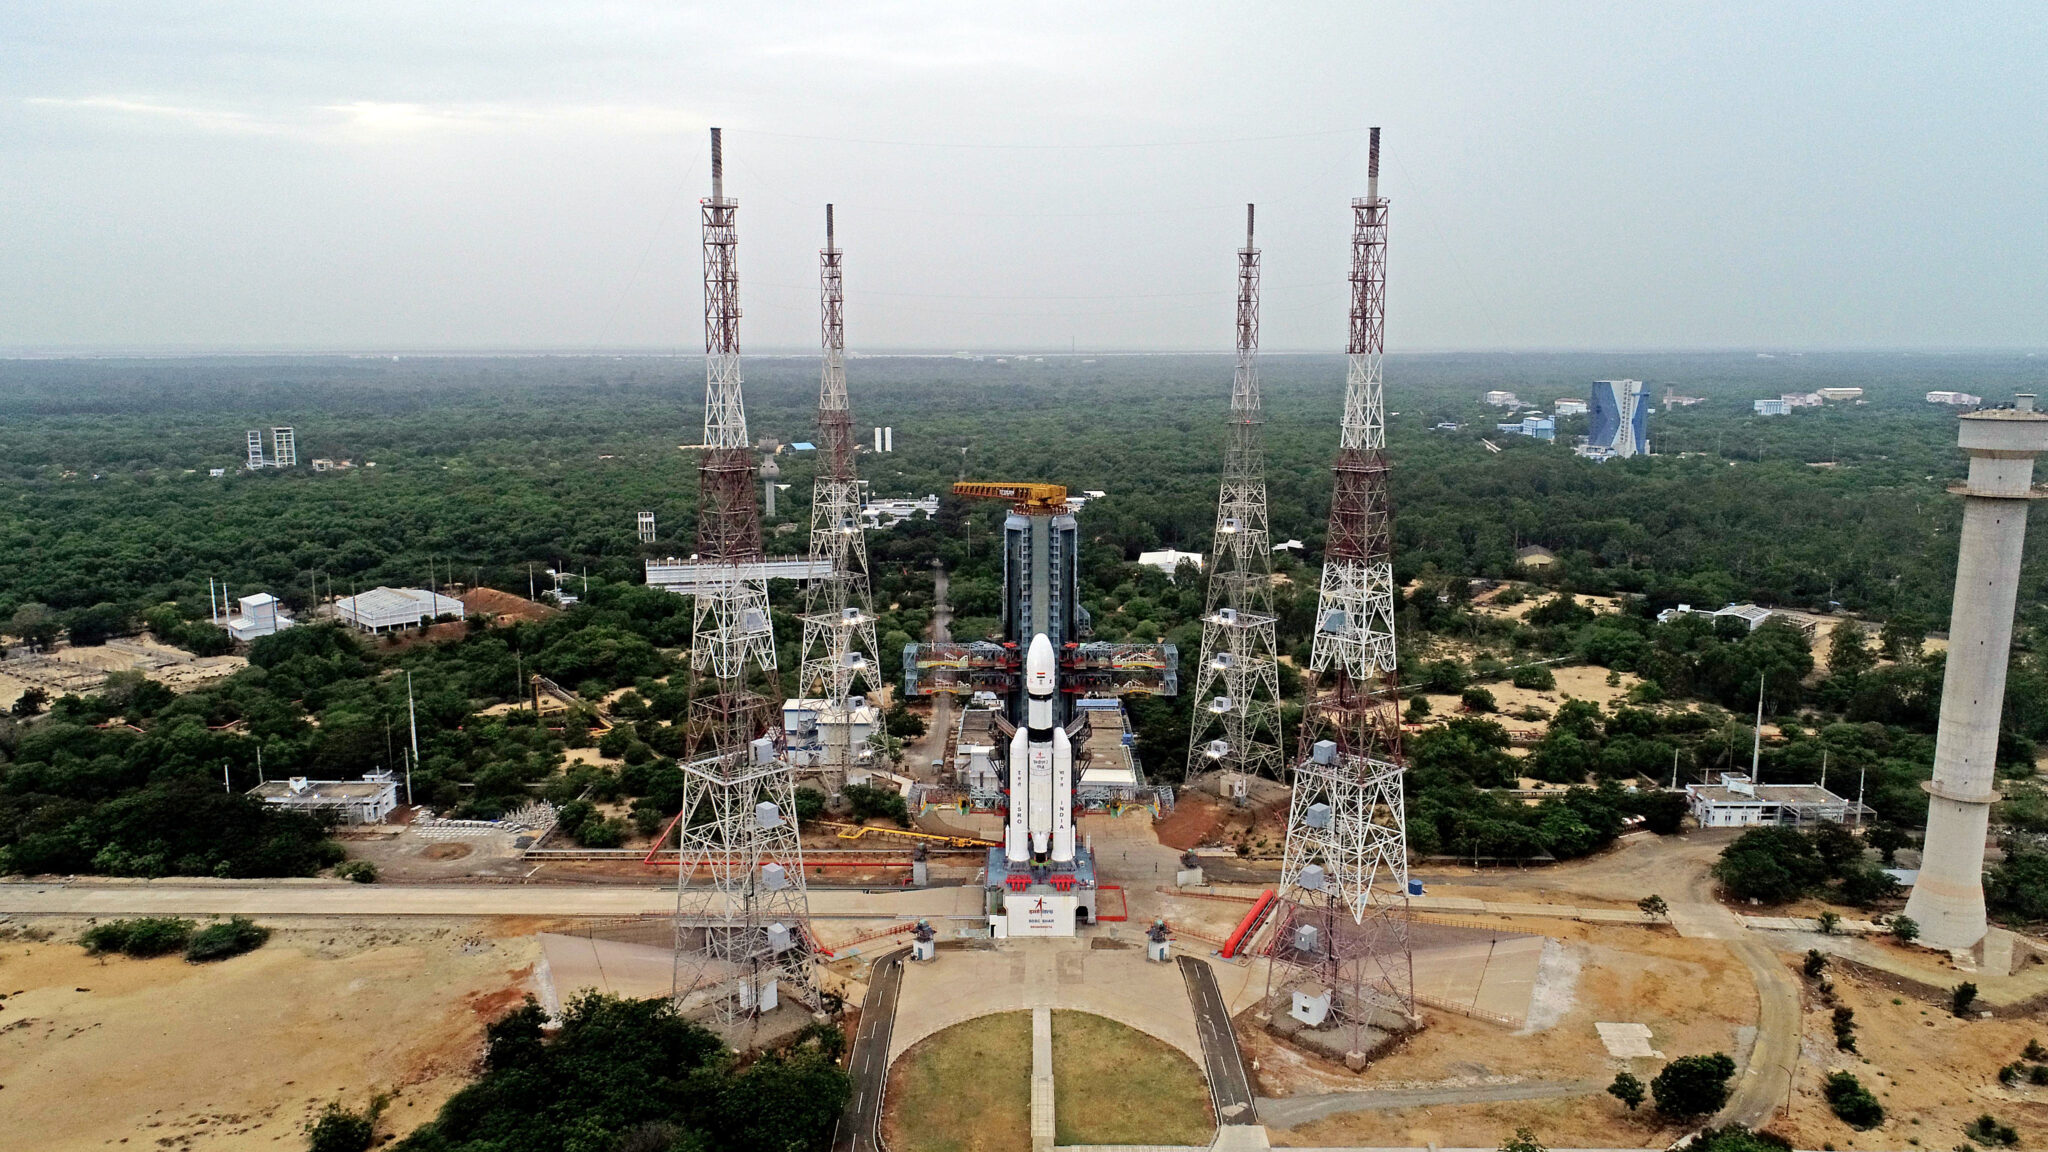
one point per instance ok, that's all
(1739, 802)
(1620, 419)
(383, 609)
(1839, 393)
(1503, 400)
(1569, 407)
(260, 616)
(1776, 407)
(365, 801)
(1955, 399)
(1536, 427)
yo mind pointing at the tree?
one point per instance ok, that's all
(1849, 650)
(1815, 963)
(902, 723)
(31, 701)
(1476, 699)
(1653, 906)
(1534, 677)
(1736, 1138)
(1418, 709)
(1628, 1089)
(1903, 635)
(1524, 1140)
(1771, 864)
(1693, 1085)
(1905, 929)
(1827, 922)
(36, 625)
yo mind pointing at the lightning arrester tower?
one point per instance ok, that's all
(1948, 898)
(1342, 935)
(743, 937)
(839, 618)
(1236, 727)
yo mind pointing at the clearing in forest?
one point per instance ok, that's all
(1112, 1084)
(964, 1089)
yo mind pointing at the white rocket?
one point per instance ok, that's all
(1041, 825)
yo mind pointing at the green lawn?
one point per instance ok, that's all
(965, 1089)
(1115, 1085)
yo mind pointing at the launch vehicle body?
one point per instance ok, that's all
(1041, 827)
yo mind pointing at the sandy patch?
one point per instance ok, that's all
(241, 1053)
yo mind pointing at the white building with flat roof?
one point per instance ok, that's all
(1776, 407)
(260, 616)
(811, 725)
(1739, 802)
(365, 801)
(383, 609)
(1955, 399)
(1503, 399)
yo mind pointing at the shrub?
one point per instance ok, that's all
(597, 833)
(220, 941)
(2038, 1074)
(2010, 1074)
(1418, 709)
(1736, 1138)
(1653, 906)
(1845, 1029)
(1986, 1129)
(1827, 922)
(1627, 1089)
(339, 1130)
(148, 936)
(1693, 1085)
(1961, 997)
(357, 871)
(1534, 677)
(1476, 699)
(810, 804)
(1852, 1101)
(1905, 928)
(2034, 1051)
(1816, 962)
(1524, 1140)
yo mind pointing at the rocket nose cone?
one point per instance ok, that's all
(1039, 666)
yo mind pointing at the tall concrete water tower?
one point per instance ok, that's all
(1948, 898)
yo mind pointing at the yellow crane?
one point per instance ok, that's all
(1027, 498)
(856, 831)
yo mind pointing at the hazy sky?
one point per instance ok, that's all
(507, 175)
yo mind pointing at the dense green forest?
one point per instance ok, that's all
(486, 467)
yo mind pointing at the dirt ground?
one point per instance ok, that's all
(1694, 995)
(240, 1054)
(1933, 1072)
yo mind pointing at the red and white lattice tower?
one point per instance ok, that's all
(1236, 729)
(1344, 880)
(839, 618)
(743, 936)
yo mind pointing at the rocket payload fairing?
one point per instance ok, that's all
(1041, 828)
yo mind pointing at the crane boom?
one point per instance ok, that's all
(1027, 498)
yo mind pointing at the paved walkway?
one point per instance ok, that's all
(1026, 975)
(1042, 1128)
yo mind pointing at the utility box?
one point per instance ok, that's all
(1189, 878)
(1311, 1006)
(764, 999)
(780, 938)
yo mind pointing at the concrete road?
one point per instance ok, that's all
(869, 1060)
(931, 746)
(1230, 1087)
(329, 898)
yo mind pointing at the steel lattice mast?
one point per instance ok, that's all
(744, 936)
(1236, 731)
(839, 618)
(1346, 855)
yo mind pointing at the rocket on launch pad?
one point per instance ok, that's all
(1041, 827)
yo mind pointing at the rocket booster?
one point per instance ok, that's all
(1041, 827)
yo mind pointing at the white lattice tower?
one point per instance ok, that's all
(1347, 849)
(839, 620)
(1236, 726)
(749, 922)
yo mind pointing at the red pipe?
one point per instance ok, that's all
(1249, 924)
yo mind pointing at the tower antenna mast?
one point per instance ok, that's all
(1236, 731)
(743, 937)
(839, 619)
(1344, 876)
